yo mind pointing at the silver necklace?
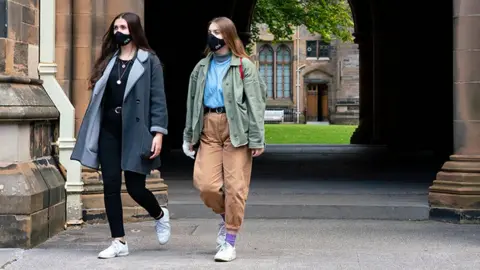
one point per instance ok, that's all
(119, 81)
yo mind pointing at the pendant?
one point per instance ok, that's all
(119, 82)
(123, 66)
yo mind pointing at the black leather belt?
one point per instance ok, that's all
(215, 110)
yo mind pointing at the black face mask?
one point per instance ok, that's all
(215, 43)
(122, 39)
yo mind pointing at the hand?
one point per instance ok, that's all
(188, 150)
(156, 145)
(257, 151)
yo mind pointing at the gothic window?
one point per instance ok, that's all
(318, 49)
(3, 19)
(266, 68)
(283, 67)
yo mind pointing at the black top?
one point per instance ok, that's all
(114, 92)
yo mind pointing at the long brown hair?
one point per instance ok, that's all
(229, 32)
(109, 47)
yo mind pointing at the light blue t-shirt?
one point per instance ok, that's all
(213, 96)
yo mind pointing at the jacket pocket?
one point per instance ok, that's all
(92, 133)
(147, 138)
(244, 120)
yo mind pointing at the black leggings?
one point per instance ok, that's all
(110, 159)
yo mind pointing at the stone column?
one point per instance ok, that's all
(82, 61)
(91, 19)
(63, 44)
(115, 7)
(32, 193)
(364, 132)
(455, 194)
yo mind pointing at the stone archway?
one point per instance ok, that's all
(241, 12)
(384, 93)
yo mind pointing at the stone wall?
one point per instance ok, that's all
(32, 193)
(19, 47)
(344, 104)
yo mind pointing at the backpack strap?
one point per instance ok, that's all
(241, 69)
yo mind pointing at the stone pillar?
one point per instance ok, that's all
(115, 7)
(63, 44)
(455, 194)
(90, 20)
(364, 132)
(32, 193)
(83, 55)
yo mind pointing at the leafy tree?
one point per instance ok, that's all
(329, 18)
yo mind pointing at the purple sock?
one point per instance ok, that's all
(223, 216)
(231, 239)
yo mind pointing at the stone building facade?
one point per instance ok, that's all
(32, 193)
(328, 77)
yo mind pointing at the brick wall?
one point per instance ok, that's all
(19, 51)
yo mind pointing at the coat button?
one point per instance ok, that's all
(138, 119)
(138, 101)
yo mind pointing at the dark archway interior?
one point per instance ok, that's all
(405, 66)
(180, 48)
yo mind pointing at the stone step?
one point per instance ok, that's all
(308, 206)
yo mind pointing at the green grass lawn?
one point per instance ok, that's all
(308, 134)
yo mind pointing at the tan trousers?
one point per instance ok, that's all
(219, 165)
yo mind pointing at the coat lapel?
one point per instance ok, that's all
(103, 80)
(136, 72)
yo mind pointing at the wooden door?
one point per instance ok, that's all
(312, 102)
(324, 92)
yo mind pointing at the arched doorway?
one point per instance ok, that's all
(317, 88)
(317, 101)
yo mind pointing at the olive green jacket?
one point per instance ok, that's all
(244, 103)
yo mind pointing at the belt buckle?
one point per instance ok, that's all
(118, 110)
(219, 110)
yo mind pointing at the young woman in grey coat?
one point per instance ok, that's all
(124, 125)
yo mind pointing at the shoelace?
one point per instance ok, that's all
(160, 226)
(224, 247)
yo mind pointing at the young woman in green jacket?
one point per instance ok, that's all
(225, 114)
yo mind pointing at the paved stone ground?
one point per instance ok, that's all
(266, 244)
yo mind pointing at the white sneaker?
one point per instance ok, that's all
(116, 249)
(222, 235)
(162, 227)
(226, 253)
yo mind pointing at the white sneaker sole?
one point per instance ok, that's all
(119, 255)
(224, 260)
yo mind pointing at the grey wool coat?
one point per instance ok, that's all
(144, 112)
